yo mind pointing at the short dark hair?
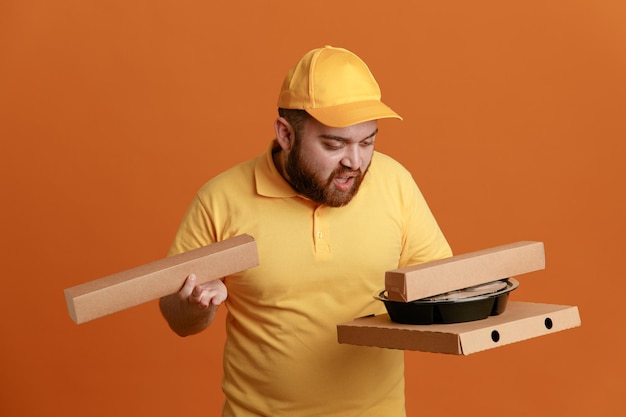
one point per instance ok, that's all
(296, 118)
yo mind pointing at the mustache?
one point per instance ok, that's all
(344, 170)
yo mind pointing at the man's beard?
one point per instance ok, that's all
(303, 179)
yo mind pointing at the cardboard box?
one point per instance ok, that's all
(160, 278)
(462, 271)
(520, 321)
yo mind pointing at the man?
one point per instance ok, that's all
(330, 216)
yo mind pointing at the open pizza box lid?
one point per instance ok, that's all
(462, 271)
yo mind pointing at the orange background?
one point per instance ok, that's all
(113, 113)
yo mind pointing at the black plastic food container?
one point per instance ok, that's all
(438, 311)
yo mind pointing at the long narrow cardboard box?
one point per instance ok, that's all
(154, 280)
(462, 271)
(520, 321)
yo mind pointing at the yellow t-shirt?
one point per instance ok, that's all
(319, 266)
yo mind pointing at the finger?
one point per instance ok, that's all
(197, 294)
(216, 291)
(218, 298)
(207, 297)
(188, 287)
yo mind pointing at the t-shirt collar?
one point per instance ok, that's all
(269, 182)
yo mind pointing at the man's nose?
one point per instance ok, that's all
(352, 158)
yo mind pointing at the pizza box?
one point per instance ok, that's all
(465, 270)
(157, 279)
(520, 321)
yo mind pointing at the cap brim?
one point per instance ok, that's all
(349, 114)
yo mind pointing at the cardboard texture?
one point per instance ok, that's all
(160, 278)
(462, 271)
(520, 321)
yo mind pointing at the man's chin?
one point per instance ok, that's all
(337, 198)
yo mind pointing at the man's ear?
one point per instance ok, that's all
(285, 134)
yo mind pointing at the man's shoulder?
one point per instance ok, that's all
(386, 164)
(236, 176)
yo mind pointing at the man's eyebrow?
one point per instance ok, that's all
(342, 139)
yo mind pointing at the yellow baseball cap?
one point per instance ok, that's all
(335, 87)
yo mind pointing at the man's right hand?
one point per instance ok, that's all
(203, 296)
(193, 308)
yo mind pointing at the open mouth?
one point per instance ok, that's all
(344, 183)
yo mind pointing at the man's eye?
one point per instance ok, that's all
(334, 146)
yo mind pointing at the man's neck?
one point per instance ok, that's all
(278, 157)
